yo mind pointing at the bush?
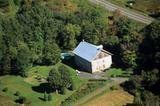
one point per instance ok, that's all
(113, 87)
(22, 99)
(5, 89)
(45, 96)
(17, 93)
(49, 97)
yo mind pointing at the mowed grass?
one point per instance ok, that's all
(26, 87)
(113, 98)
(117, 72)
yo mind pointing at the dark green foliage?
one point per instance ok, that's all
(123, 26)
(3, 3)
(49, 97)
(28, 38)
(22, 60)
(45, 96)
(54, 79)
(51, 54)
(149, 49)
(60, 79)
(22, 99)
(67, 38)
(63, 90)
(65, 76)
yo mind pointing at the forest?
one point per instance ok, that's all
(40, 30)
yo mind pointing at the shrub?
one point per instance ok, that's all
(113, 87)
(5, 89)
(22, 99)
(17, 93)
(45, 96)
(49, 97)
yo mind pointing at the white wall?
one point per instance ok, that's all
(101, 64)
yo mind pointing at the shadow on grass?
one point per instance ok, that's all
(44, 87)
(41, 98)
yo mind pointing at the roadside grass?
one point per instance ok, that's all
(33, 89)
(142, 6)
(117, 72)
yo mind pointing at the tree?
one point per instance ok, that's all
(60, 79)
(51, 54)
(54, 79)
(111, 40)
(89, 32)
(68, 36)
(22, 60)
(123, 26)
(149, 48)
(65, 76)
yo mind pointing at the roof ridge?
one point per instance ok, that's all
(89, 43)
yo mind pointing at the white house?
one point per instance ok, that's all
(92, 58)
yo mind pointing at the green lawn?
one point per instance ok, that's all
(29, 87)
(114, 72)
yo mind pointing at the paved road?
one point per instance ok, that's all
(130, 14)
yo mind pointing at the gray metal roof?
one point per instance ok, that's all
(87, 51)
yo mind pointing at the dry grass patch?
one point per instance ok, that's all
(113, 98)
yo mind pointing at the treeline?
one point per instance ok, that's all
(145, 84)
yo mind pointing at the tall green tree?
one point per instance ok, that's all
(51, 54)
(22, 60)
(68, 36)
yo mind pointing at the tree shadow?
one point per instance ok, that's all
(41, 98)
(44, 87)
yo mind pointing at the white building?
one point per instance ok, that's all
(91, 58)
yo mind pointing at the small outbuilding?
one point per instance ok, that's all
(92, 58)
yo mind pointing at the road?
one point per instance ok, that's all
(130, 14)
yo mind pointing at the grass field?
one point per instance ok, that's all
(32, 88)
(113, 98)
